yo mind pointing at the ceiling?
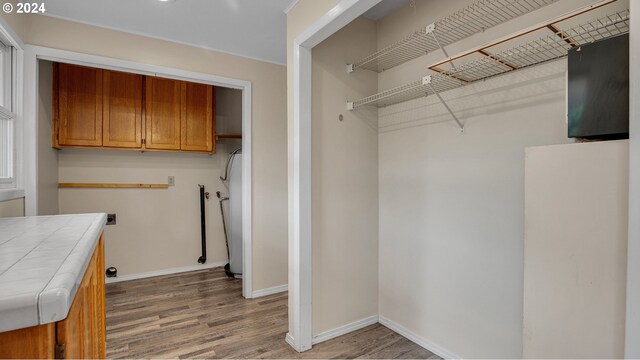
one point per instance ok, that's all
(249, 28)
(385, 8)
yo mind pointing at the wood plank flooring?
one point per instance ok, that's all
(202, 314)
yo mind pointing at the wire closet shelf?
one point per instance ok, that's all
(531, 53)
(468, 21)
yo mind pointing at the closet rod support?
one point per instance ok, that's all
(427, 81)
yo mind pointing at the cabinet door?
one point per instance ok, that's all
(79, 105)
(71, 332)
(83, 333)
(122, 109)
(163, 112)
(197, 117)
(36, 342)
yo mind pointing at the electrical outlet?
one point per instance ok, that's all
(111, 219)
(172, 181)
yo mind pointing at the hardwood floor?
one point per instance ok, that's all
(203, 315)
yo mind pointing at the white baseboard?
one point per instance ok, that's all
(443, 353)
(269, 291)
(290, 340)
(344, 329)
(165, 272)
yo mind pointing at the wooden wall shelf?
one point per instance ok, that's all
(229, 136)
(112, 186)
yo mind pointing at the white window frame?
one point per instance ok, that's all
(14, 188)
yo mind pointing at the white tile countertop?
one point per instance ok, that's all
(42, 263)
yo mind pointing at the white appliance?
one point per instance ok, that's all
(235, 214)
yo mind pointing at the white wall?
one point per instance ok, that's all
(632, 344)
(47, 156)
(344, 182)
(576, 212)
(451, 216)
(451, 205)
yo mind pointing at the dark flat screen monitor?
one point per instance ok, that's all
(598, 89)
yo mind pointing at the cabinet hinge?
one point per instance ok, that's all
(60, 351)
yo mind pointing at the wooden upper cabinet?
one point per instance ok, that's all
(79, 111)
(112, 109)
(163, 108)
(197, 117)
(122, 109)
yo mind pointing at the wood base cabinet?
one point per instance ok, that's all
(81, 335)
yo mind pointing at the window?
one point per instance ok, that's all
(7, 114)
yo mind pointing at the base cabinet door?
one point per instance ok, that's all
(36, 342)
(81, 335)
(71, 331)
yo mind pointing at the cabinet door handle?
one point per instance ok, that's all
(60, 351)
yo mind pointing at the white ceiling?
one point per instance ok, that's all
(250, 28)
(385, 8)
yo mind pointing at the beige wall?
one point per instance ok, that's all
(632, 333)
(269, 184)
(228, 110)
(452, 206)
(15, 21)
(156, 229)
(47, 156)
(575, 253)
(452, 210)
(12, 208)
(344, 182)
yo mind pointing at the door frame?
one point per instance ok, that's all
(300, 255)
(300, 335)
(35, 53)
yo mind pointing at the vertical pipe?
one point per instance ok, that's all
(202, 259)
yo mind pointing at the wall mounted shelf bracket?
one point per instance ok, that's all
(430, 29)
(427, 82)
(350, 68)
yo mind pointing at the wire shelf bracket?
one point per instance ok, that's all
(430, 29)
(426, 80)
(468, 21)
